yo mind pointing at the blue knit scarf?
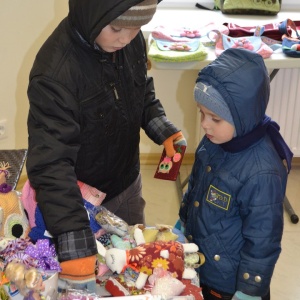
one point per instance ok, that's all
(267, 126)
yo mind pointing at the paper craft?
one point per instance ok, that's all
(168, 168)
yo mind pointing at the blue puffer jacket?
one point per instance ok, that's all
(233, 208)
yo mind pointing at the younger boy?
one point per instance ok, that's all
(233, 209)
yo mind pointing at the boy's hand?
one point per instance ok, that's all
(178, 139)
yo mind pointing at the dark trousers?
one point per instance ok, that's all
(213, 294)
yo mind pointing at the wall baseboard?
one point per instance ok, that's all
(153, 159)
(188, 159)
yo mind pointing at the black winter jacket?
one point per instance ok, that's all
(86, 111)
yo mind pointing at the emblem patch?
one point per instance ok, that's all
(218, 198)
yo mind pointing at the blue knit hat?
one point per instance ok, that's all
(209, 97)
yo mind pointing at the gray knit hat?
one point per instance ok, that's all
(137, 15)
(209, 97)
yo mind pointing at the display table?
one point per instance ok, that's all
(197, 18)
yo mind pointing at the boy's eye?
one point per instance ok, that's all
(216, 120)
(115, 29)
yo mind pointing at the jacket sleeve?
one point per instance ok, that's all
(53, 127)
(261, 210)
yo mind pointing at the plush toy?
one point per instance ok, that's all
(160, 232)
(147, 256)
(13, 221)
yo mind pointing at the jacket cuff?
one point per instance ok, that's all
(76, 244)
(159, 129)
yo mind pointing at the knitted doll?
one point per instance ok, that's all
(29, 282)
(13, 221)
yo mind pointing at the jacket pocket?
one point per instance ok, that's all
(217, 257)
(101, 117)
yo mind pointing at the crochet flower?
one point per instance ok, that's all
(45, 254)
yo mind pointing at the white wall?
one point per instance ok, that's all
(24, 25)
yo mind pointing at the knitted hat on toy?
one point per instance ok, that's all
(136, 16)
(209, 97)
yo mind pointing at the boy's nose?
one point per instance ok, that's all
(125, 38)
(204, 123)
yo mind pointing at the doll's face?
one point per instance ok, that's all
(165, 166)
(40, 286)
(217, 130)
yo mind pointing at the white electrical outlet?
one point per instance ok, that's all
(3, 129)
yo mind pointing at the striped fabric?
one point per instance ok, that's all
(137, 15)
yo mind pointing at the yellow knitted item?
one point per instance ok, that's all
(14, 223)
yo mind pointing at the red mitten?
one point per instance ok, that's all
(80, 273)
(176, 138)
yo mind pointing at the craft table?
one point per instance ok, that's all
(197, 18)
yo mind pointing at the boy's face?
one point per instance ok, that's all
(113, 38)
(217, 130)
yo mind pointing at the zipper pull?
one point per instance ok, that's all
(115, 91)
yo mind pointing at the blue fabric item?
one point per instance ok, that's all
(266, 127)
(288, 43)
(241, 296)
(38, 232)
(181, 237)
(206, 95)
(92, 211)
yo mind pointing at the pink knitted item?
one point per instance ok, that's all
(29, 202)
(91, 194)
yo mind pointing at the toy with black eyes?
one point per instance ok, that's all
(13, 221)
(167, 163)
(168, 167)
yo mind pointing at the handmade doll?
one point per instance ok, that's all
(147, 256)
(29, 282)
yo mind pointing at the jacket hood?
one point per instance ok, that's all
(242, 79)
(89, 17)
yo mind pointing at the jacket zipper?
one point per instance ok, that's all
(112, 84)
